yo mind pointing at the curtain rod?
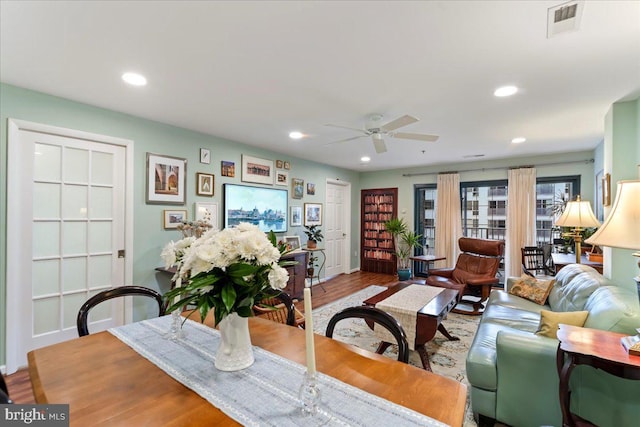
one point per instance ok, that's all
(500, 168)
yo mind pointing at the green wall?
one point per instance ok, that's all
(149, 136)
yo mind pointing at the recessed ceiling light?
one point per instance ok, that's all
(518, 140)
(134, 79)
(365, 159)
(295, 135)
(505, 91)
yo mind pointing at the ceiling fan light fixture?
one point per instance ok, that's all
(504, 91)
(296, 135)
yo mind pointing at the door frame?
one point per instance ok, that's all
(14, 272)
(346, 261)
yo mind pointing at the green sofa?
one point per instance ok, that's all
(512, 371)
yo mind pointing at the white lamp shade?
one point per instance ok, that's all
(622, 227)
(578, 214)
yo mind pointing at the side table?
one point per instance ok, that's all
(592, 347)
(316, 274)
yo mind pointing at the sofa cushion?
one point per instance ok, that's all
(549, 321)
(612, 308)
(572, 289)
(531, 288)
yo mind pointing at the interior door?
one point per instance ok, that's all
(336, 228)
(67, 214)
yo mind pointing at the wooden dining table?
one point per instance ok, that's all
(105, 382)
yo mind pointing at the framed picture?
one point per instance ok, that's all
(313, 214)
(297, 188)
(282, 178)
(205, 184)
(287, 165)
(257, 170)
(228, 169)
(293, 242)
(598, 203)
(207, 212)
(279, 164)
(166, 179)
(311, 189)
(606, 190)
(205, 156)
(296, 216)
(173, 218)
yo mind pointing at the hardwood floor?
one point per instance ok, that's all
(340, 286)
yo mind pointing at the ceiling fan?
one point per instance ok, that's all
(377, 131)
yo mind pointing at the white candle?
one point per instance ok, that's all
(308, 326)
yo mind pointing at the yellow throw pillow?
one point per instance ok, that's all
(549, 321)
(533, 289)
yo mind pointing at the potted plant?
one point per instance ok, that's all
(311, 265)
(314, 235)
(404, 241)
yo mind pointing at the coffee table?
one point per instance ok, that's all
(428, 321)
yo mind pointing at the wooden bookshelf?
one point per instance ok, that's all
(376, 244)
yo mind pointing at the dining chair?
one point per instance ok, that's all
(4, 392)
(535, 261)
(122, 291)
(373, 315)
(279, 308)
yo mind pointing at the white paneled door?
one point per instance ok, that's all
(336, 228)
(67, 213)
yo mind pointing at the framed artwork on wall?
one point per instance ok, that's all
(173, 218)
(228, 169)
(204, 186)
(207, 212)
(166, 179)
(296, 216)
(297, 188)
(205, 156)
(313, 214)
(257, 170)
(282, 178)
(311, 189)
(598, 203)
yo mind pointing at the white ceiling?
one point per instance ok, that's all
(254, 71)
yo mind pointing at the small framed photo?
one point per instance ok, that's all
(311, 189)
(173, 218)
(293, 242)
(313, 214)
(296, 216)
(205, 184)
(287, 165)
(279, 164)
(207, 212)
(228, 169)
(282, 178)
(257, 170)
(205, 156)
(297, 188)
(166, 179)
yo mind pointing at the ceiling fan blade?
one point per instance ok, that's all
(378, 144)
(398, 123)
(346, 127)
(348, 139)
(417, 136)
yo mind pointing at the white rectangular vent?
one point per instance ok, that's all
(564, 17)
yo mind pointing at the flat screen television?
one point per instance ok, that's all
(265, 207)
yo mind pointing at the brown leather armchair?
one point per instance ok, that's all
(474, 273)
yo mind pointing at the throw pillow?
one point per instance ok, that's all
(549, 321)
(533, 289)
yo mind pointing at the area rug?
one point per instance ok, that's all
(447, 357)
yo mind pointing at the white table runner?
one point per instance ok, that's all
(404, 306)
(265, 394)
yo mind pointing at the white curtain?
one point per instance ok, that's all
(448, 218)
(521, 217)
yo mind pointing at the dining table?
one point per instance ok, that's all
(106, 382)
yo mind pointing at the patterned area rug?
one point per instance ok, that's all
(447, 357)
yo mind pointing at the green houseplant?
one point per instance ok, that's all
(314, 235)
(404, 240)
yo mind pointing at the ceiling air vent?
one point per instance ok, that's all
(564, 17)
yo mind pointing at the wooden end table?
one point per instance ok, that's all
(592, 347)
(426, 260)
(429, 318)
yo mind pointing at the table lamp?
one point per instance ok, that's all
(622, 227)
(577, 214)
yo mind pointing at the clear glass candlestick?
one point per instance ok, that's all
(175, 331)
(309, 394)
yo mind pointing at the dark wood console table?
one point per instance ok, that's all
(592, 347)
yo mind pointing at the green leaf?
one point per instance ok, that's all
(245, 312)
(241, 270)
(228, 296)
